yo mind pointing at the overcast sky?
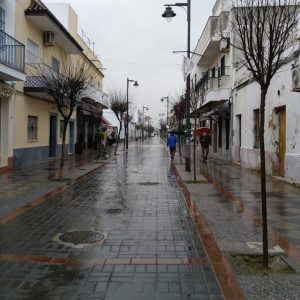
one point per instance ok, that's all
(133, 41)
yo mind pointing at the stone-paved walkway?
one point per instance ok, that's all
(226, 200)
(151, 250)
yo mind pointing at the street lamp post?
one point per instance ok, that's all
(169, 14)
(144, 107)
(127, 104)
(167, 99)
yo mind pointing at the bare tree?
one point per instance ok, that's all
(195, 102)
(263, 33)
(67, 86)
(118, 104)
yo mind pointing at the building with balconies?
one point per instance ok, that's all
(38, 125)
(230, 101)
(212, 81)
(12, 69)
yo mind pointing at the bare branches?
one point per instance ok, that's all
(264, 32)
(118, 103)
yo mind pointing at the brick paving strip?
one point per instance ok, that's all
(225, 275)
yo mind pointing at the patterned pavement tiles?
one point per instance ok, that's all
(152, 249)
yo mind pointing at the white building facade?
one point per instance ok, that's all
(231, 102)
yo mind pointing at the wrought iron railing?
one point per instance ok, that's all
(213, 79)
(35, 78)
(12, 52)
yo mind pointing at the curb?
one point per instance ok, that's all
(221, 268)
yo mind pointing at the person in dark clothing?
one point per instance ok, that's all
(204, 141)
(171, 143)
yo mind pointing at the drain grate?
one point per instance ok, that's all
(148, 183)
(82, 237)
(113, 211)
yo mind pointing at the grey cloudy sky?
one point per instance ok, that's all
(133, 41)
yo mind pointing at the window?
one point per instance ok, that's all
(2, 27)
(61, 128)
(222, 71)
(32, 54)
(32, 128)
(256, 128)
(55, 64)
(2, 19)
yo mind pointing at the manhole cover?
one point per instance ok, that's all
(82, 237)
(148, 183)
(113, 211)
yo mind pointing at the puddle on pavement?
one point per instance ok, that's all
(59, 278)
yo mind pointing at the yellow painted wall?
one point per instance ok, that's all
(26, 105)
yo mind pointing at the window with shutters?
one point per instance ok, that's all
(256, 128)
(32, 53)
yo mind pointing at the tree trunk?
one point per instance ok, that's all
(263, 178)
(194, 150)
(118, 139)
(62, 157)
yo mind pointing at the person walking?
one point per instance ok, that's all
(171, 143)
(204, 141)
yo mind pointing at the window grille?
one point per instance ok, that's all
(32, 128)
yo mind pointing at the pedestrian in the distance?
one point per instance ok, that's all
(171, 143)
(204, 141)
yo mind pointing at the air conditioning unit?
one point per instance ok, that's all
(224, 45)
(48, 38)
(296, 79)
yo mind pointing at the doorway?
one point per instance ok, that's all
(239, 136)
(53, 136)
(215, 137)
(282, 140)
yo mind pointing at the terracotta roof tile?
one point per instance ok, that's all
(36, 6)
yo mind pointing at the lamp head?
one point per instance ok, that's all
(136, 84)
(168, 14)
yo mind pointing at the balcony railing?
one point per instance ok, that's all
(214, 79)
(12, 52)
(36, 80)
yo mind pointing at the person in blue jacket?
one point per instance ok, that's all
(171, 143)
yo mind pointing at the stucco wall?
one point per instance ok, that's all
(280, 93)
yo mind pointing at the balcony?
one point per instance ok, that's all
(97, 95)
(35, 85)
(12, 58)
(209, 43)
(215, 84)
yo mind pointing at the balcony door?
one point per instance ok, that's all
(53, 136)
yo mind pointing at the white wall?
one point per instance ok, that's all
(280, 93)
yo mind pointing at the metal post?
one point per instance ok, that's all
(127, 117)
(188, 87)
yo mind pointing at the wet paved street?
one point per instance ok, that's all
(151, 250)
